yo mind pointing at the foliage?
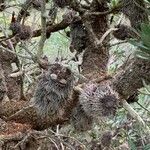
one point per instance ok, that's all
(144, 44)
(126, 129)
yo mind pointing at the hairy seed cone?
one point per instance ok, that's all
(78, 35)
(98, 100)
(26, 33)
(50, 96)
(61, 3)
(123, 32)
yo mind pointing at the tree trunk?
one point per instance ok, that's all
(95, 59)
(13, 84)
(3, 88)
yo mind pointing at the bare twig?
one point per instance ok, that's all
(143, 107)
(43, 34)
(29, 52)
(21, 72)
(118, 43)
(135, 115)
(8, 50)
(105, 35)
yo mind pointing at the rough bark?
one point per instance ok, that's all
(95, 59)
(3, 88)
(13, 84)
(129, 80)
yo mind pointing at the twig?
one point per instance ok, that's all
(21, 72)
(144, 93)
(143, 107)
(118, 43)
(43, 34)
(135, 115)
(7, 38)
(68, 137)
(8, 50)
(28, 51)
(9, 41)
(100, 13)
(105, 35)
(14, 137)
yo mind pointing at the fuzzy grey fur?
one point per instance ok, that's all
(50, 95)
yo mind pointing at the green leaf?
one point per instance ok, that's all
(131, 144)
(140, 45)
(145, 27)
(143, 55)
(146, 147)
(145, 34)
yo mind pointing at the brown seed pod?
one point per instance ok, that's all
(78, 35)
(98, 100)
(53, 90)
(21, 32)
(61, 3)
(124, 32)
(25, 33)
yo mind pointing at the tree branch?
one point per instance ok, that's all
(43, 34)
(135, 115)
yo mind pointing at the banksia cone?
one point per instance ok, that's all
(98, 100)
(37, 3)
(53, 90)
(124, 32)
(25, 33)
(61, 3)
(21, 32)
(78, 35)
